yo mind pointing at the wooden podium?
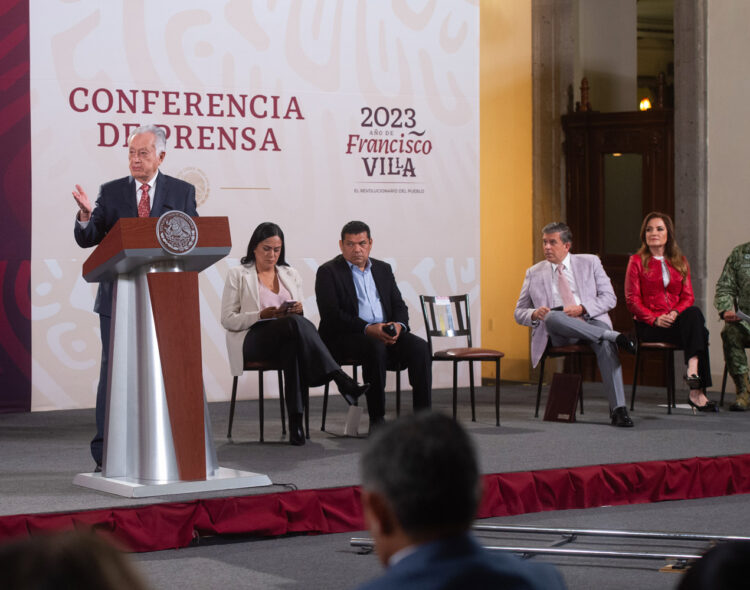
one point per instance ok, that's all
(157, 435)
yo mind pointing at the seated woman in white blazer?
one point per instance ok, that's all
(261, 309)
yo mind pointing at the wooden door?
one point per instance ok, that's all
(619, 167)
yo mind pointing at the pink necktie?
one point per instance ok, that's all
(563, 286)
(144, 205)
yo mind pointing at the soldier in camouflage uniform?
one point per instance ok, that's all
(733, 292)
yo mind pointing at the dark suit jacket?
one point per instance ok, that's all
(460, 563)
(117, 199)
(337, 298)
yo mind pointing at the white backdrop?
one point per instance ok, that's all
(276, 111)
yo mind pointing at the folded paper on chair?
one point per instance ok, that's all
(444, 315)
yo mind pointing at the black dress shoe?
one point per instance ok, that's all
(620, 417)
(376, 423)
(296, 432)
(349, 388)
(297, 436)
(625, 343)
(98, 468)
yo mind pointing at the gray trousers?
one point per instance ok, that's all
(563, 330)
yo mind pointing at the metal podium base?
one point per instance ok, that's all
(222, 479)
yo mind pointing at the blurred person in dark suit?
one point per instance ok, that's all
(723, 567)
(420, 493)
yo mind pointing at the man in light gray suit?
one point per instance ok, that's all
(565, 299)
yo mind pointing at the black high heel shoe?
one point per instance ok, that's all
(709, 406)
(349, 388)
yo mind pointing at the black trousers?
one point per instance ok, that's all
(409, 350)
(689, 333)
(97, 443)
(294, 341)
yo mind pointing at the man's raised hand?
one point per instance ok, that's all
(82, 200)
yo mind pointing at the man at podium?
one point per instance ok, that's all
(146, 192)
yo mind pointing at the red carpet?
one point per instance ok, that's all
(337, 510)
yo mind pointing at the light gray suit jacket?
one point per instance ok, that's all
(593, 287)
(240, 306)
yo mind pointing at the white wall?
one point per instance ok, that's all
(728, 132)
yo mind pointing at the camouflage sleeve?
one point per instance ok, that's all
(726, 286)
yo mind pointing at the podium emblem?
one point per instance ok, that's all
(199, 180)
(176, 232)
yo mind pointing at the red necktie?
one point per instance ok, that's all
(563, 286)
(144, 205)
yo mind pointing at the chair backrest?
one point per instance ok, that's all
(446, 317)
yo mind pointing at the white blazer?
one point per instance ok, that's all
(240, 306)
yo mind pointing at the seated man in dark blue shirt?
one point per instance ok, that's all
(420, 492)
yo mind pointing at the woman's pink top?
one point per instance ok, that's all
(270, 299)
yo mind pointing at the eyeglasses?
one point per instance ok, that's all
(144, 153)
